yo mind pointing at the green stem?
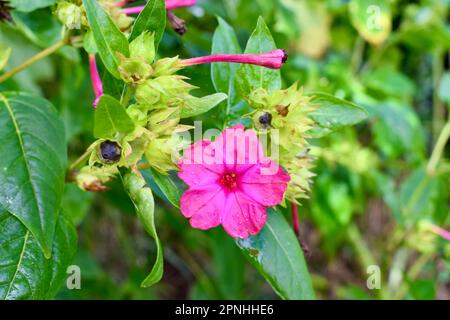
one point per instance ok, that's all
(413, 273)
(438, 149)
(41, 55)
(438, 106)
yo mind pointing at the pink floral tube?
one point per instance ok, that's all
(170, 5)
(95, 79)
(273, 59)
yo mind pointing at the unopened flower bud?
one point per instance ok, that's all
(143, 47)
(164, 121)
(71, 15)
(134, 70)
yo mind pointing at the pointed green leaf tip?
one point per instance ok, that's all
(250, 77)
(108, 38)
(142, 198)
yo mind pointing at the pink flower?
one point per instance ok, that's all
(95, 79)
(273, 59)
(230, 183)
(170, 5)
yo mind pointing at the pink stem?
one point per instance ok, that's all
(173, 4)
(133, 10)
(441, 232)
(95, 79)
(295, 219)
(273, 59)
(170, 5)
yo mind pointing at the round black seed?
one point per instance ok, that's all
(265, 119)
(110, 151)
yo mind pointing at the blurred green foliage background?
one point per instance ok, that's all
(372, 199)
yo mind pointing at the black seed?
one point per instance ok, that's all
(110, 151)
(265, 120)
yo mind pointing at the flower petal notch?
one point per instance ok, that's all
(231, 183)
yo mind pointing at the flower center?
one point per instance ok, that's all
(229, 180)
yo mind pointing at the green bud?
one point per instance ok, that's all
(122, 21)
(143, 47)
(258, 98)
(166, 66)
(164, 121)
(138, 113)
(93, 178)
(147, 94)
(159, 154)
(164, 90)
(71, 15)
(134, 70)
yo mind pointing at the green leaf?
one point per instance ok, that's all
(111, 118)
(5, 53)
(167, 187)
(30, 5)
(334, 113)
(33, 163)
(153, 19)
(250, 77)
(24, 271)
(40, 26)
(144, 203)
(108, 38)
(195, 106)
(222, 74)
(372, 19)
(276, 254)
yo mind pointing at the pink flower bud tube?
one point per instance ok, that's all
(170, 5)
(273, 59)
(441, 232)
(95, 79)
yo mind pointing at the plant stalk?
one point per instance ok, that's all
(41, 55)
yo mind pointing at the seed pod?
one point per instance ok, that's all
(265, 120)
(110, 151)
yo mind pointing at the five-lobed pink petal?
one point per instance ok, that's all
(230, 183)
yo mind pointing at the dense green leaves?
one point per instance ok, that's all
(24, 271)
(195, 106)
(372, 19)
(33, 163)
(277, 255)
(108, 38)
(250, 77)
(111, 118)
(333, 113)
(142, 198)
(223, 74)
(153, 19)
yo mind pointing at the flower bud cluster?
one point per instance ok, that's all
(287, 113)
